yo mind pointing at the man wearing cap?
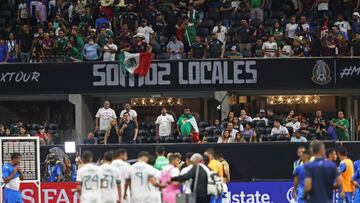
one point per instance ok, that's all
(298, 137)
(139, 45)
(146, 30)
(175, 48)
(45, 138)
(356, 23)
(234, 54)
(261, 117)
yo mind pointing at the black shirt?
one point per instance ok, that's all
(226, 14)
(215, 48)
(245, 34)
(356, 47)
(25, 42)
(172, 17)
(198, 50)
(129, 131)
(113, 137)
(138, 48)
(151, 16)
(297, 50)
(130, 19)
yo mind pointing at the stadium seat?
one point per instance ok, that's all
(259, 123)
(169, 139)
(186, 139)
(163, 55)
(247, 54)
(35, 126)
(217, 131)
(5, 14)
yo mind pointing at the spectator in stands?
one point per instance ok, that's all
(279, 130)
(124, 37)
(23, 132)
(234, 54)
(215, 48)
(128, 129)
(13, 48)
(25, 39)
(23, 12)
(341, 126)
(230, 117)
(294, 123)
(61, 44)
(244, 116)
(227, 12)
(298, 137)
(322, 8)
(91, 50)
(260, 33)
(90, 139)
(355, 45)
(249, 133)
(140, 45)
(4, 51)
(343, 25)
(7, 132)
(319, 122)
(220, 31)
(342, 46)
(48, 48)
(127, 109)
(165, 124)
(102, 37)
(291, 27)
(2, 130)
(102, 21)
(270, 48)
(278, 32)
(236, 123)
(256, 9)
(286, 50)
(303, 29)
(45, 138)
(225, 137)
(109, 50)
(232, 131)
(15, 130)
(297, 50)
(146, 30)
(328, 45)
(216, 124)
(198, 49)
(112, 134)
(175, 48)
(104, 116)
(130, 18)
(261, 116)
(189, 34)
(257, 50)
(41, 13)
(244, 35)
(184, 126)
(239, 138)
(355, 27)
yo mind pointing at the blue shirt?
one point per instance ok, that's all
(323, 174)
(91, 52)
(100, 21)
(53, 172)
(300, 173)
(7, 170)
(356, 176)
(356, 165)
(4, 49)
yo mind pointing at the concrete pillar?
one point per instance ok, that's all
(222, 97)
(356, 116)
(84, 120)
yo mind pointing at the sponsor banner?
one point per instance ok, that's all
(169, 75)
(239, 192)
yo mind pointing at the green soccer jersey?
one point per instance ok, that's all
(256, 3)
(190, 34)
(74, 54)
(184, 124)
(61, 44)
(161, 162)
(341, 133)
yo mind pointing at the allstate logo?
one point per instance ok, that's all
(321, 74)
(289, 194)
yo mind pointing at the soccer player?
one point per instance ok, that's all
(299, 179)
(88, 178)
(300, 152)
(110, 179)
(12, 175)
(141, 176)
(161, 161)
(120, 158)
(346, 169)
(331, 154)
(321, 177)
(356, 182)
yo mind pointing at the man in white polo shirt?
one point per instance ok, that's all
(270, 48)
(132, 112)
(278, 129)
(164, 124)
(104, 116)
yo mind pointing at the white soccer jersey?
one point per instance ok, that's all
(124, 170)
(140, 186)
(109, 176)
(89, 177)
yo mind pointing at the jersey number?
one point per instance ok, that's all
(107, 181)
(140, 175)
(89, 179)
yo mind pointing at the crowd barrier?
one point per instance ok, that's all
(239, 192)
(248, 161)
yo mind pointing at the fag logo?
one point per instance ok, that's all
(321, 73)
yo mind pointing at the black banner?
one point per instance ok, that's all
(205, 75)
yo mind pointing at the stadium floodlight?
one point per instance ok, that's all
(29, 148)
(70, 147)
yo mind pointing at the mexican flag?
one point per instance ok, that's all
(135, 63)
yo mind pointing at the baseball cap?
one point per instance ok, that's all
(262, 111)
(356, 14)
(41, 127)
(233, 48)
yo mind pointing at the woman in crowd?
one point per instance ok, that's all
(236, 123)
(290, 116)
(112, 135)
(249, 133)
(278, 32)
(230, 117)
(342, 45)
(225, 137)
(7, 132)
(244, 116)
(239, 138)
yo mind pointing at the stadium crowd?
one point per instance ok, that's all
(127, 128)
(56, 31)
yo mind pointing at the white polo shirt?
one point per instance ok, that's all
(105, 116)
(282, 131)
(164, 123)
(291, 29)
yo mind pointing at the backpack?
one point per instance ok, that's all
(215, 183)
